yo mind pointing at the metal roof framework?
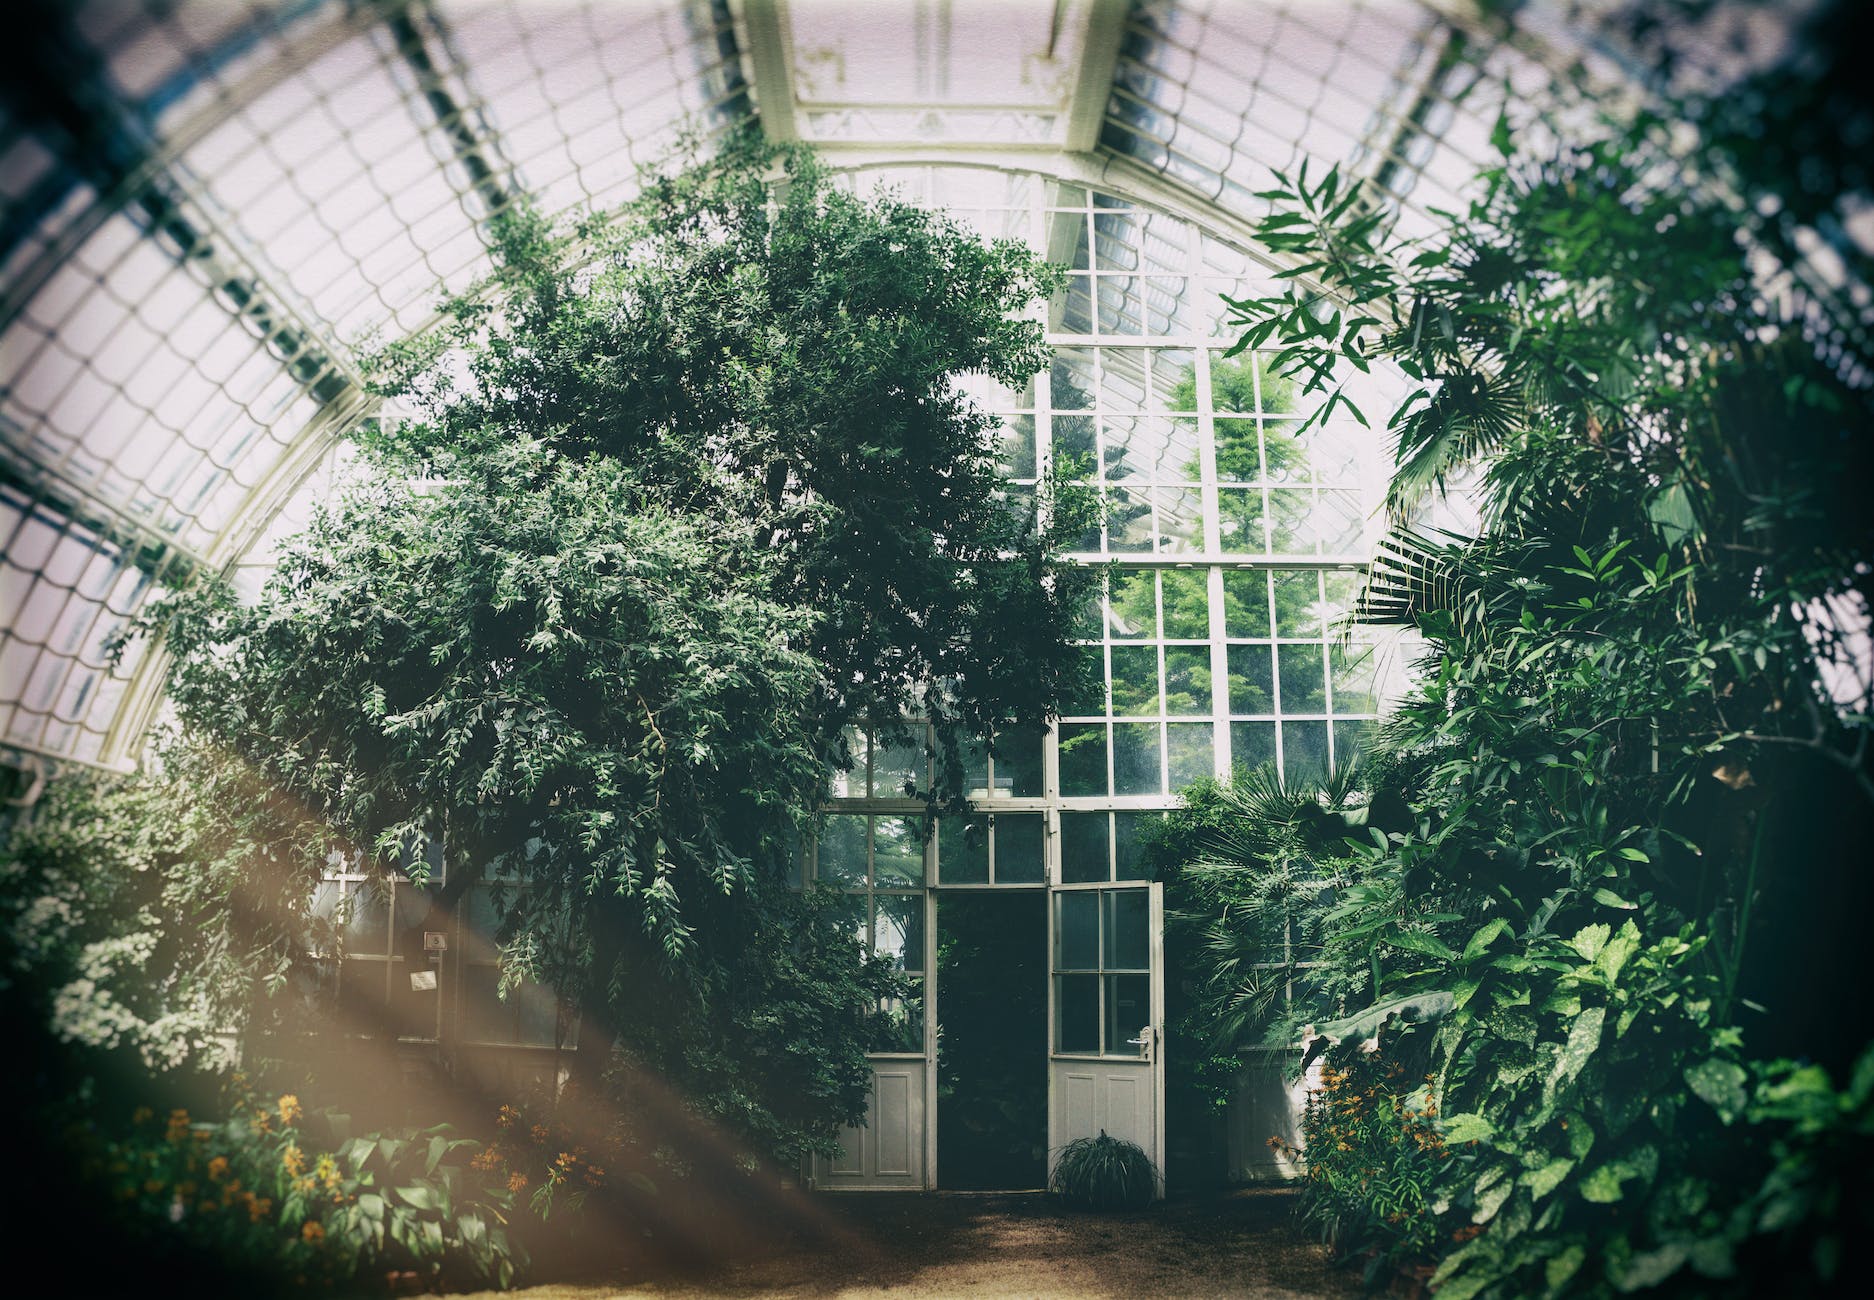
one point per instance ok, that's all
(208, 211)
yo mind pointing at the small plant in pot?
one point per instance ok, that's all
(1104, 1173)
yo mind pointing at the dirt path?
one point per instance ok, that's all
(903, 1246)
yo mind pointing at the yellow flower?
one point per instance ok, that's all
(313, 1232)
(293, 1160)
(326, 1171)
(218, 1167)
(289, 1109)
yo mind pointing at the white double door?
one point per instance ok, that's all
(1104, 1046)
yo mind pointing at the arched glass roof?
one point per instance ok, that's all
(208, 209)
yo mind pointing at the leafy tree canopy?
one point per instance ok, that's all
(686, 494)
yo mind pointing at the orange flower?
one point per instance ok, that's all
(313, 1232)
(506, 1116)
(293, 1160)
(289, 1109)
(517, 1181)
(218, 1167)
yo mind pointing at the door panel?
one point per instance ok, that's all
(887, 1151)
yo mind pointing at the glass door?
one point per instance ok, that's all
(1106, 1008)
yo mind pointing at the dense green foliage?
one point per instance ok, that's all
(687, 494)
(1577, 875)
(688, 490)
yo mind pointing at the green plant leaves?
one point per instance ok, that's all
(1720, 1084)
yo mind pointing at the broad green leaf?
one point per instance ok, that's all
(1547, 1178)
(1720, 1084)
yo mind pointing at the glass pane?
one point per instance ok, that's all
(1128, 1011)
(1018, 764)
(1128, 520)
(851, 784)
(842, 852)
(485, 1018)
(1017, 446)
(970, 769)
(1239, 520)
(1303, 689)
(1083, 847)
(1245, 602)
(1135, 680)
(1286, 458)
(898, 767)
(1074, 445)
(963, 851)
(1189, 750)
(367, 929)
(1252, 744)
(1078, 939)
(1291, 530)
(848, 912)
(1297, 604)
(1187, 679)
(1135, 758)
(1083, 758)
(898, 929)
(1304, 750)
(1352, 738)
(1252, 685)
(1071, 384)
(1180, 520)
(1128, 862)
(1239, 458)
(1128, 916)
(897, 851)
(1077, 1008)
(1019, 853)
(1089, 697)
(1187, 602)
(898, 1025)
(1132, 605)
(539, 1014)
(1338, 521)
(1341, 591)
(1352, 668)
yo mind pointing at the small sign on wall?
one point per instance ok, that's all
(422, 981)
(435, 941)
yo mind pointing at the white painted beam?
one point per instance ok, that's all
(1104, 28)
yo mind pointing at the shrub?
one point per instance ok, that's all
(1373, 1153)
(276, 1193)
(1104, 1173)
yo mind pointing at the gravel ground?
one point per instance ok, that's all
(905, 1245)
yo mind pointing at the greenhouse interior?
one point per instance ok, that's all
(643, 640)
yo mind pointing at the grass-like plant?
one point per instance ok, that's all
(1104, 1173)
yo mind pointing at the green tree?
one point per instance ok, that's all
(686, 495)
(1636, 731)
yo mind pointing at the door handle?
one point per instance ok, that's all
(1143, 1042)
